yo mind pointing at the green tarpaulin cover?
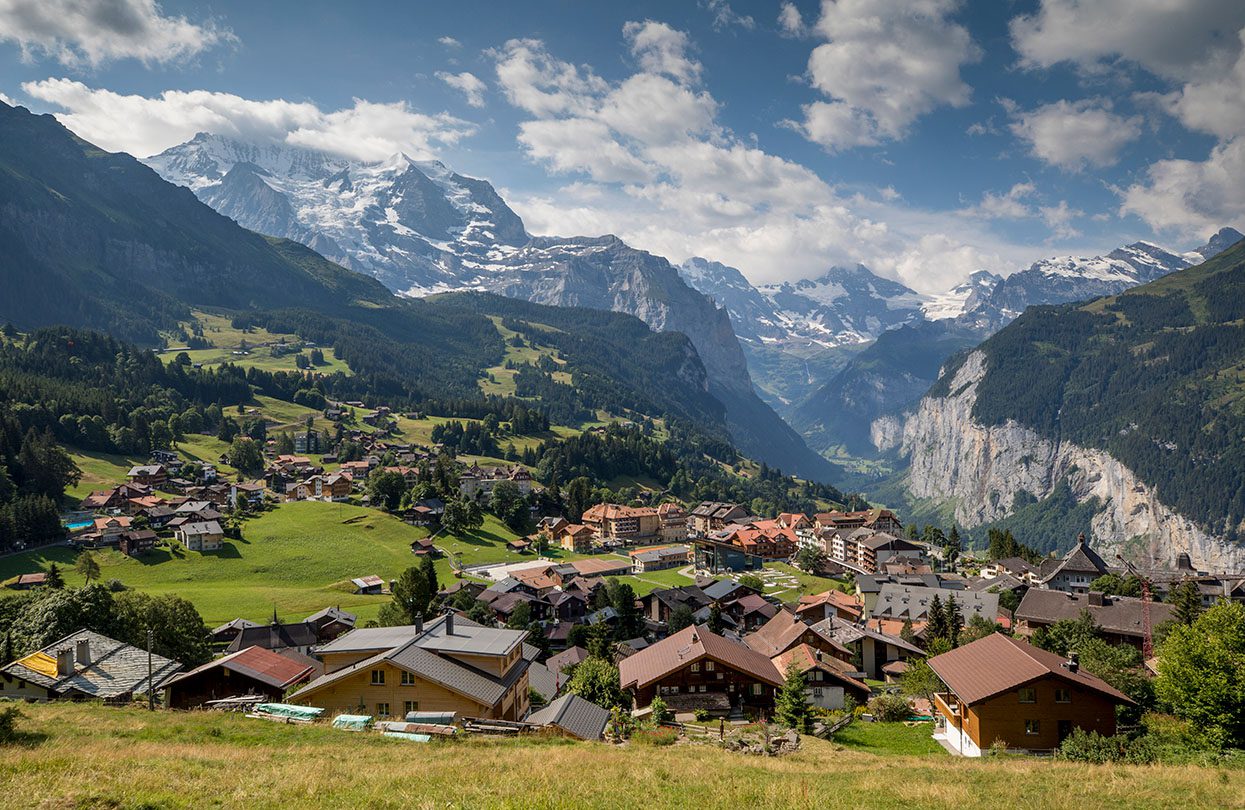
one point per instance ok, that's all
(352, 722)
(289, 710)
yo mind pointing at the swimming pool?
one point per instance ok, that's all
(73, 527)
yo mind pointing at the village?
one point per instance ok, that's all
(805, 622)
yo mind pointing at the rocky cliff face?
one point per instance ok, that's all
(981, 469)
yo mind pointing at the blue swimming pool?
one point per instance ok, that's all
(73, 527)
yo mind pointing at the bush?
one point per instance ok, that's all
(889, 708)
(8, 724)
(702, 715)
(655, 737)
(1090, 746)
(660, 713)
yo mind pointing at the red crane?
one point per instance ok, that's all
(1147, 648)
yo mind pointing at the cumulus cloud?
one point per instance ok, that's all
(143, 125)
(790, 21)
(1074, 134)
(1178, 39)
(92, 32)
(466, 83)
(885, 63)
(449, 42)
(1021, 201)
(648, 159)
(1193, 198)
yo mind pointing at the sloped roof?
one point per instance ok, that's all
(568, 657)
(997, 663)
(262, 665)
(776, 635)
(913, 602)
(692, 644)
(806, 658)
(1080, 560)
(576, 716)
(845, 632)
(1123, 615)
(275, 636)
(116, 670)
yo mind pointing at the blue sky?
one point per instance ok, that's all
(926, 138)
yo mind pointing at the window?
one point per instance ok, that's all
(408, 678)
(695, 667)
(756, 689)
(382, 709)
(409, 706)
(1032, 728)
(378, 677)
(1063, 694)
(1027, 694)
(708, 666)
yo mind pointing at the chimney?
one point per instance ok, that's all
(1095, 598)
(83, 653)
(449, 622)
(64, 662)
(419, 622)
(1080, 539)
(1073, 663)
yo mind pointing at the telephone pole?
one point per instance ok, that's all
(151, 691)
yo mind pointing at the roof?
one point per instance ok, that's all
(998, 663)
(597, 567)
(567, 658)
(418, 654)
(1122, 615)
(333, 614)
(117, 669)
(205, 527)
(234, 624)
(806, 658)
(576, 716)
(370, 581)
(722, 589)
(913, 602)
(832, 597)
(614, 511)
(275, 636)
(1080, 560)
(542, 680)
(692, 644)
(468, 637)
(780, 632)
(257, 663)
(845, 632)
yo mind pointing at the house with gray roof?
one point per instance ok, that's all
(913, 602)
(1078, 568)
(573, 716)
(85, 665)
(447, 664)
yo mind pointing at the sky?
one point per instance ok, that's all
(924, 138)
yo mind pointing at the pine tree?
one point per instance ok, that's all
(55, 581)
(715, 618)
(936, 620)
(791, 707)
(954, 620)
(429, 570)
(1187, 601)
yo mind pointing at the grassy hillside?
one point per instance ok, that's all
(197, 760)
(299, 557)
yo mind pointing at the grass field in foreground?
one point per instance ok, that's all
(299, 557)
(70, 759)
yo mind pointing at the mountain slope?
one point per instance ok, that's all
(421, 228)
(1136, 399)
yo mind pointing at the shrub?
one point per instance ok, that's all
(889, 708)
(8, 724)
(702, 715)
(660, 713)
(1090, 746)
(656, 737)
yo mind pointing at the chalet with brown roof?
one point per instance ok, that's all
(785, 631)
(878, 520)
(695, 669)
(1004, 689)
(829, 681)
(712, 516)
(815, 607)
(151, 475)
(750, 611)
(673, 522)
(574, 537)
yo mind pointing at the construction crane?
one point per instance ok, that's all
(1147, 648)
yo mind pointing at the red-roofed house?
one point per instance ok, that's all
(830, 681)
(253, 671)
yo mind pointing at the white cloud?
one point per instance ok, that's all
(885, 64)
(649, 160)
(144, 125)
(1192, 198)
(1073, 135)
(725, 17)
(87, 32)
(790, 21)
(1177, 39)
(449, 42)
(1213, 104)
(1010, 205)
(7, 100)
(466, 83)
(1059, 219)
(661, 49)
